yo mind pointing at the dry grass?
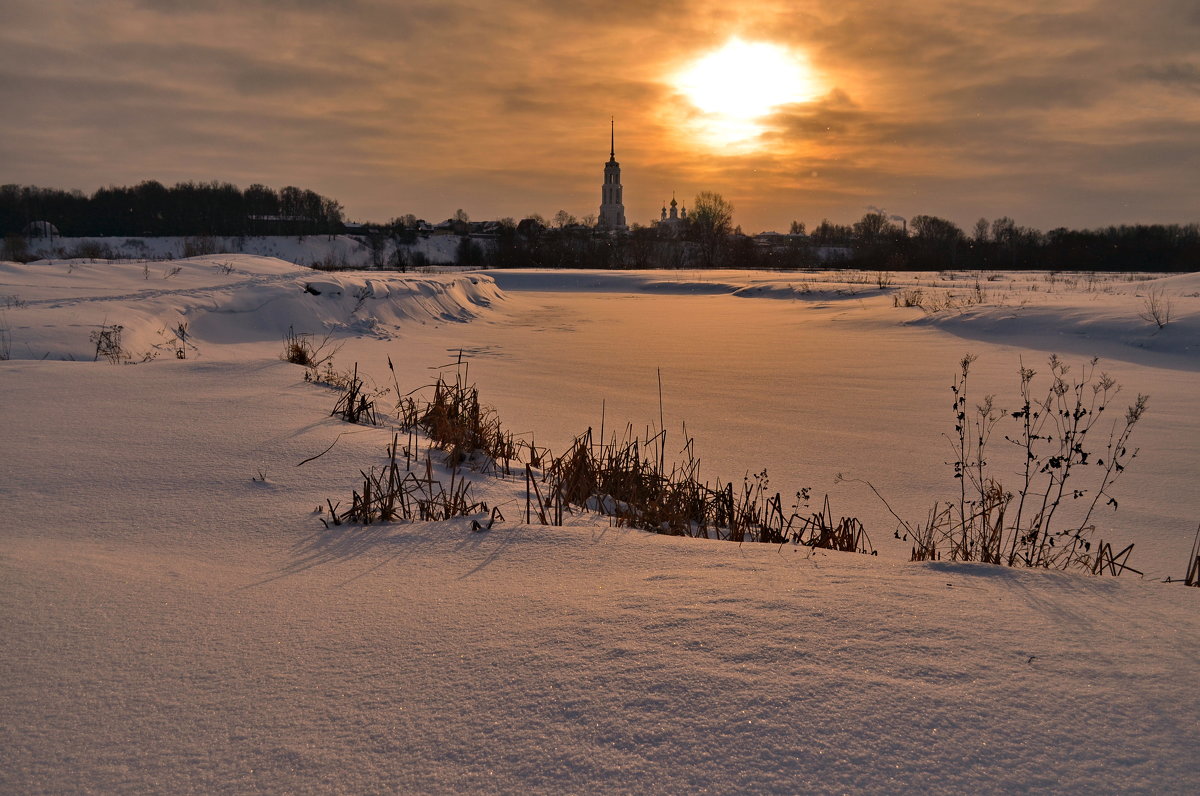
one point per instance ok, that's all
(633, 480)
(937, 300)
(909, 297)
(457, 423)
(628, 480)
(393, 495)
(178, 341)
(303, 349)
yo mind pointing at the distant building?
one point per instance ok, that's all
(452, 226)
(612, 203)
(673, 222)
(530, 227)
(40, 229)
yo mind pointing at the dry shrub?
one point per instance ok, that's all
(1063, 467)
(302, 349)
(90, 250)
(1156, 307)
(199, 246)
(16, 249)
(5, 339)
(107, 340)
(333, 261)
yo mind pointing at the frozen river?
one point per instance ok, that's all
(806, 387)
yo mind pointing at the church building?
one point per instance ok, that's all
(612, 204)
(676, 222)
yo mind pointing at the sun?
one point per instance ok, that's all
(736, 86)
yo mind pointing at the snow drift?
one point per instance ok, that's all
(224, 299)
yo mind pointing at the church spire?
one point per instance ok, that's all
(612, 206)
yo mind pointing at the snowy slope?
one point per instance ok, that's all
(183, 628)
(177, 618)
(338, 251)
(223, 298)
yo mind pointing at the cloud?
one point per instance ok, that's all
(1047, 114)
(1182, 75)
(1021, 92)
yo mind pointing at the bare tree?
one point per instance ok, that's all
(712, 221)
(1156, 307)
(1004, 231)
(937, 241)
(935, 229)
(873, 227)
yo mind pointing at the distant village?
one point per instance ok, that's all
(191, 219)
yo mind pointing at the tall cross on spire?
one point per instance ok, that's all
(612, 149)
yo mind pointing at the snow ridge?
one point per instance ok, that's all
(222, 299)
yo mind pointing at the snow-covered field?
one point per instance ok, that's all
(343, 251)
(176, 618)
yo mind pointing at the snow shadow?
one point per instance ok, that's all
(383, 544)
(394, 543)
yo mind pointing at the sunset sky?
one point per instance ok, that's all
(1084, 115)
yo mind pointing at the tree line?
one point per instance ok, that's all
(708, 238)
(186, 208)
(927, 242)
(876, 242)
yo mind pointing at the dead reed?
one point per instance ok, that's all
(1193, 574)
(453, 421)
(354, 404)
(628, 480)
(392, 494)
(456, 422)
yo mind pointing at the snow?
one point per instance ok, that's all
(225, 298)
(341, 251)
(175, 623)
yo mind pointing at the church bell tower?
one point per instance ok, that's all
(612, 204)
